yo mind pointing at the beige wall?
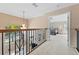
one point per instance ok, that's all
(8, 19)
(38, 22)
(42, 21)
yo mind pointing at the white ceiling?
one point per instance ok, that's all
(16, 9)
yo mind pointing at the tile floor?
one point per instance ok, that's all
(57, 45)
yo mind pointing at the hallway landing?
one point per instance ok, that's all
(57, 45)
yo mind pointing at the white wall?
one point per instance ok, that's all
(59, 18)
(59, 21)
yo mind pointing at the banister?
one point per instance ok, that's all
(14, 30)
(21, 41)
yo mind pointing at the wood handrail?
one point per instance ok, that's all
(14, 30)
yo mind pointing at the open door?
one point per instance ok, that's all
(59, 25)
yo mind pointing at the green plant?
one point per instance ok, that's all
(11, 26)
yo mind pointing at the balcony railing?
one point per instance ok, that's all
(21, 41)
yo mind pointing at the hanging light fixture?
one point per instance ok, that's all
(23, 25)
(34, 4)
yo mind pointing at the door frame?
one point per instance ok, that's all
(68, 27)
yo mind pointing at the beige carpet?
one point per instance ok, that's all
(57, 45)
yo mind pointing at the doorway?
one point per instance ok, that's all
(59, 28)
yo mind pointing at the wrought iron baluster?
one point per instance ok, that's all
(29, 41)
(19, 42)
(33, 36)
(2, 44)
(15, 43)
(32, 39)
(9, 44)
(45, 34)
(23, 41)
(26, 43)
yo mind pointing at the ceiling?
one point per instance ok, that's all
(30, 10)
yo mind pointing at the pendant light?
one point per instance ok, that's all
(34, 4)
(23, 25)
